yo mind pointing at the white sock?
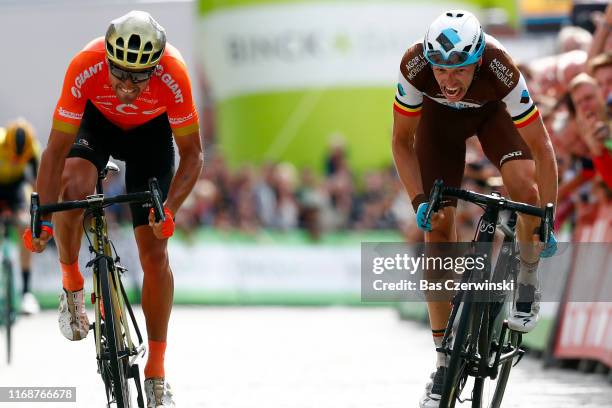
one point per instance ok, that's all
(440, 357)
(528, 273)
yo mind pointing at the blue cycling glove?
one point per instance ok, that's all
(422, 223)
(550, 247)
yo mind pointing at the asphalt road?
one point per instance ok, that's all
(282, 358)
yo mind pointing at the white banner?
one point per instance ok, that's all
(220, 267)
(295, 46)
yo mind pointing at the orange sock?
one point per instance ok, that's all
(155, 362)
(71, 277)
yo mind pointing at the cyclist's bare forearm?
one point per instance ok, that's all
(536, 136)
(404, 154)
(188, 172)
(546, 175)
(48, 182)
(601, 34)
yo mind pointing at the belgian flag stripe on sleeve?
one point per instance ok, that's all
(405, 109)
(526, 117)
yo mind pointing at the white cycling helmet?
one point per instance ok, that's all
(454, 39)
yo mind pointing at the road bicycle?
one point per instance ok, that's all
(116, 352)
(7, 285)
(477, 337)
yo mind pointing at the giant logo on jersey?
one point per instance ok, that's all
(83, 77)
(167, 79)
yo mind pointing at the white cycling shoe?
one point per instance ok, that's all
(433, 389)
(73, 321)
(159, 393)
(526, 309)
(29, 304)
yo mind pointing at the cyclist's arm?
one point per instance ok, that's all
(603, 30)
(183, 118)
(404, 154)
(528, 122)
(406, 115)
(51, 167)
(189, 169)
(536, 137)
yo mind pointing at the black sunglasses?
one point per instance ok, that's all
(135, 77)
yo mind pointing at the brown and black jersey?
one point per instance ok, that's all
(497, 79)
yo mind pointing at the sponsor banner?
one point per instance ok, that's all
(586, 327)
(247, 269)
(280, 47)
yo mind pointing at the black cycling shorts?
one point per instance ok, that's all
(441, 136)
(12, 195)
(147, 151)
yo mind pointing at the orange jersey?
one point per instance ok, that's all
(169, 91)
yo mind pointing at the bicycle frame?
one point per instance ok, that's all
(102, 248)
(482, 246)
(8, 295)
(479, 318)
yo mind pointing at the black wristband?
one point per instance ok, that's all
(418, 200)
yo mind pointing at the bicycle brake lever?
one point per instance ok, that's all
(434, 198)
(35, 223)
(156, 200)
(547, 223)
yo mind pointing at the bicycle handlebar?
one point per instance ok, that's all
(546, 213)
(153, 196)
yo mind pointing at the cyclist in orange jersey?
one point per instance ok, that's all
(127, 95)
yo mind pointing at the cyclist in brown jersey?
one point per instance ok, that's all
(456, 83)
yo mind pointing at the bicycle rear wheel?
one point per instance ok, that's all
(116, 353)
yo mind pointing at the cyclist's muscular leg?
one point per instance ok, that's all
(157, 295)
(78, 181)
(443, 230)
(519, 180)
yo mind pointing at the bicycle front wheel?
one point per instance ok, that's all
(116, 353)
(490, 392)
(456, 373)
